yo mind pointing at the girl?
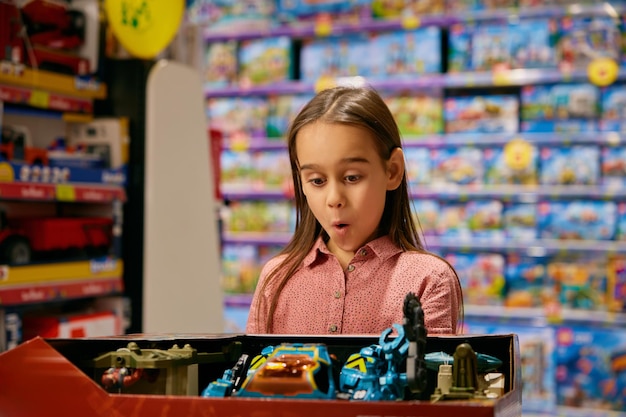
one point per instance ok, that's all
(356, 251)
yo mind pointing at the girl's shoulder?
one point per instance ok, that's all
(424, 260)
(273, 263)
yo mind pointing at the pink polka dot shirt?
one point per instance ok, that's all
(365, 298)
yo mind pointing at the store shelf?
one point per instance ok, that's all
(61, 281)
(78, 193)
(310, 29)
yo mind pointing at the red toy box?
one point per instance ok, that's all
(57, 377)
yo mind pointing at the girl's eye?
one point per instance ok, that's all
(316, 181)
(352, 178)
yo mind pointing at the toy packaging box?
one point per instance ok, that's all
(481, 114)
(271, 171)
(481, 276)
(232, 16)
(258, 216)
(302, 12)
(334, 57)
(525, 279)
(418, 165)
(613, 166)
(182, 364)
(452, 221)
(613, 108)
(382, 9)
(515, 163)
(520, 221)
(240, 117)
(574, 165)
(462, 165)
(484, 219)
(426, 212)
(416, 114)
(220, 66)
(577, 219)
(560, 102)
(591, 371)
(265, 60)
(559, 126)
(282, 110)
(579, 281)
(404, 54)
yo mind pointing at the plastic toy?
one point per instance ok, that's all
(16, 144)
(308, 370)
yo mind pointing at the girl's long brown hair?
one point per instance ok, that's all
(356, 106)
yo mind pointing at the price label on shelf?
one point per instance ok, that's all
(39, 98)
(65, 192)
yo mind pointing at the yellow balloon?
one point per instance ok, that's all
(144, 27)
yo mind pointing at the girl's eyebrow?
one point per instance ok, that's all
(351, 160)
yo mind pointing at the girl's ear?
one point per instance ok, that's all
(395, 169)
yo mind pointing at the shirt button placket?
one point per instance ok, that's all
(332, 328)
(350, 268)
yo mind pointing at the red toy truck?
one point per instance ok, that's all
(20, 238)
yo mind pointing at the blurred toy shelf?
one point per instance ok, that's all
(47, 90)
(499, 78)
(29, 284)
(325, 28)
(87, 193)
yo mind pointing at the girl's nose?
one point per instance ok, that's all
(334, 198)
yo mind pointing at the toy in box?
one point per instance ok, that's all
(616, 283)
(481, 276)
(613, 166)
(426, 213)
(220, 68)
(460, 48)
(232, 16)
(258, 216)
(239, 117)
(484, 219)
(334, 57)
(515, 163)
(452, 221)
(575, 165)
(579, 282)
(620, 226)
(560, 102)
(520, 220)
(382, 9)
(613, 102)
(532, 45)
(583, 39)
(236, 171)
(525, 281)
(577, 219)
(455, 6)
(272, 171)
(76, 324)
(491, 47)
(460, 165)
(407, 53)
(418, 165)
(282, 110)
(239, 267)
(481, 114)
(590, 370)
(322, 12)
(416, 113)
(265, 60)
(537, 344)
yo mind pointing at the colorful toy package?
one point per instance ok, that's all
(460, 48)
(461, 165)
(577, 219)
(613, 108)
(574, 165)
(613, 166)
(265, 60)
(583, 39)
(481, 276)
(456, 6)
(591, 368)
(515, 163)
(481, 114)
(303, 12)
(520, 220)
(560, 102)
(221, 64)
(484, 219)
(239, 267)
(532, 45)
(426, 212)
(235, 171)
(282, 110)
(418, 165)
(536, 344)
(238, 117)
(404, 54)
(272, 171)
(334, 57)
(491, 47)
(452, 221)
(616, 282)
(258, 216)
(231, 16)
(382, 9)
(579, 282)
(559, 126)
(526, 284)
(620, 222)
(416, 113)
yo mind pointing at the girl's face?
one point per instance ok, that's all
(345, 182)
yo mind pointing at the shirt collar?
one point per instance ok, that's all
(382, 247)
